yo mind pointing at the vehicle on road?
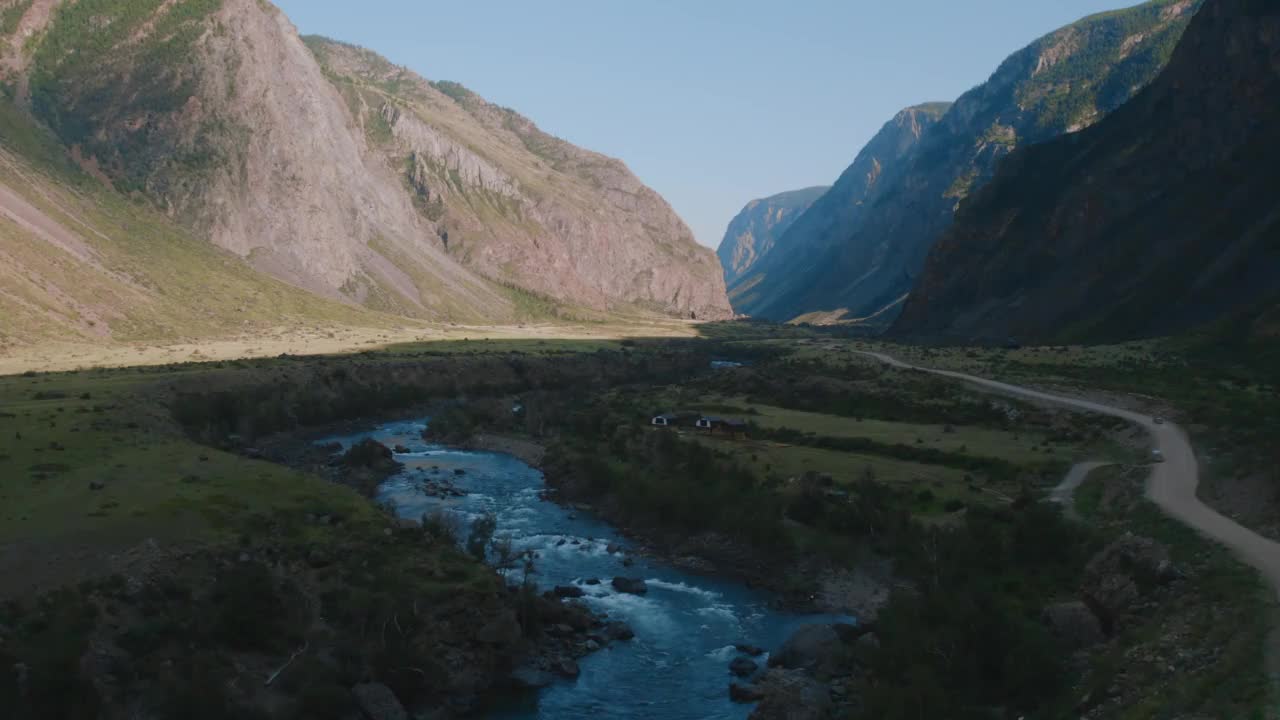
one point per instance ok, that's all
(1158, 420)
(1157, 456)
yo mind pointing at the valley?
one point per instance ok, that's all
(329, 391)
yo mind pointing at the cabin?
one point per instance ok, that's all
(665, 420)
(711, 424)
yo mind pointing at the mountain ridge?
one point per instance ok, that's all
(219, 115)
(1059, 83)
(1158, 219)
(752, 234)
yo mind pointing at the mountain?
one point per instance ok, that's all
(829, 219)
(1159, 218)
(1059, 84)
(752, 234)
(353, 180)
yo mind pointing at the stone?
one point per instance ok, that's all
(631, 586)
(568, 591)
(592, 581)
(96, 485)
(744, 693)
(743, 667)
(377, 702)
(792, 695)
(752, 650)
(618, 630)
(1118, 576)
(1074, 624)
(529, 678)
(567, 667)
(812, 647)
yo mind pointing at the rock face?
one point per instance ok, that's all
(1157, 219)
(519, 205)
(1059, 84)
(353, 179)
(763, 288)
(752, 234)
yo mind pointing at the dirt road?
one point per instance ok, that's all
(1172, 485)
(1064, 494)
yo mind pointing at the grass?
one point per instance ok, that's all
(1022, 448)
(60, 433)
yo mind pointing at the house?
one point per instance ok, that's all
(708, 423)
(730, 426)
(665, 420)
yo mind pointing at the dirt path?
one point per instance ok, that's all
(1172, 485)
(1065, 493)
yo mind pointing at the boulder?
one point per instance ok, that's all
(567, 668)
(752, 650)
(618, 631)
(792, 695)
(371, 454)
(815, 648)
(96, 485)
(568, 591)
(745, 693)
(743, 667)
(1120, 574)
(530, 678)
(631, 586)
(503, 630)
(377, 702)
(401, 450)
(1074, 624)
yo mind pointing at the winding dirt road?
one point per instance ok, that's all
(1172, 485)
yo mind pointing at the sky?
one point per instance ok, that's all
(710, 102)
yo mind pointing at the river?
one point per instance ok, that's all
(686, 627)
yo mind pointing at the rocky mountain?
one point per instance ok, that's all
(1160, 217)
(831, 217)
(754, 231)
(352, 179)
(1059, 84)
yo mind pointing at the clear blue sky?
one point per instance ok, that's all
(711, 102)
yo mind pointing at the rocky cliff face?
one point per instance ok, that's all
(831, 217)
(216, 111)
(753, 233)
(1160, 217)
(519, 206)
(1059, 84)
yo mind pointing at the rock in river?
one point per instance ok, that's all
(813, 647)
(633, 586)
(743, 667)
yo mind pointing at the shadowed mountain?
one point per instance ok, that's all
(752, 235)
(1059, 84)
(1159, 218)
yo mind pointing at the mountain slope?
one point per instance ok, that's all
(1161, 217)
(217, 113)
(519, 205)
(830, 218)
(1061, 83)
(80, 263)
(752, 234)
